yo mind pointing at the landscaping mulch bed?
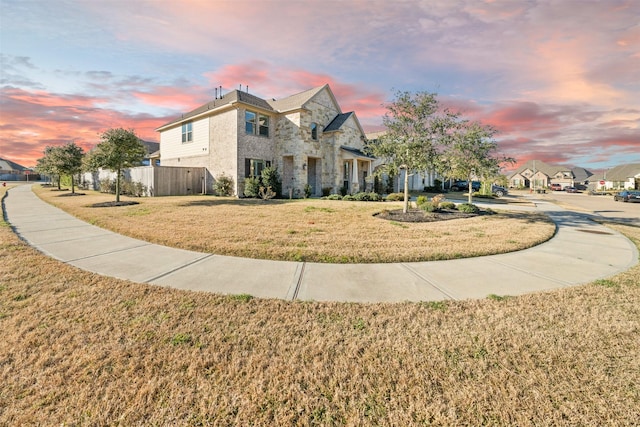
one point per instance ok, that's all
(418, 215)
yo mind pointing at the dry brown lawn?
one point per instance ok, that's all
(81, 349)
(305, 230)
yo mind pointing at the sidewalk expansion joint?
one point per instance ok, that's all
(428, 281)
(296, 283)
(108, 253)
(183, 266)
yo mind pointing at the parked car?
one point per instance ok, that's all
(555, 187)
(627, 196)
(571, 189)
(498, 190)
(461, 185)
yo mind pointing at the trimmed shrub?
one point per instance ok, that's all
(447, 205)
(326, 191)
(334, 197)
(251, 187)
(223, 186)
(421, 200)
(468, 208)
(395, 197)
(307, 191)
(428, 207)
(348, 198)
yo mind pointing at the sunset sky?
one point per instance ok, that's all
(559, 79)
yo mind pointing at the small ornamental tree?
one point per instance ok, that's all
(416, 127)
(49, 164)
(119, 149)
(471, 154)
(70, 157)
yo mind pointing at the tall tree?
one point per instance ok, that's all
(49, 164)
(471, 154)
(417, 126)
(70, 161)
(119, 149)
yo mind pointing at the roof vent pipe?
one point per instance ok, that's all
(220, 92)
(216, 93)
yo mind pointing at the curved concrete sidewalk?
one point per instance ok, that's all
(581, 251)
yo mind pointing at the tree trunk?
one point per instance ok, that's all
(405, 209)
(470, 198)
(118, 186)
(73, 188)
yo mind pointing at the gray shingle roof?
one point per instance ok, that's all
(356, 152)
(289, 103)
(296, 101)
(623, 172)
(337, 122)
(229, 98)
(581, 174)
(8, 165)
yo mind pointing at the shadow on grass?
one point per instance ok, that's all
(236, 202)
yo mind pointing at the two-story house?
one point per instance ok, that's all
(306, 136)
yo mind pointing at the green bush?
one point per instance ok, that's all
(343, 191)
(468, 208)
(223, 185)
(334, 197)
(421, 200)
(326, 191)
(271, 178)
(428, 207)
(251, 187)
(395, 197)
(447, 205)
(349, 198)
(307, 191)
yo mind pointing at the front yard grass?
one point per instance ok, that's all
(305, 230)
(82, 349)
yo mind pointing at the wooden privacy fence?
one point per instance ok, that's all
(156, 180)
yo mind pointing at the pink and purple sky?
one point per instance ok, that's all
(559, 79)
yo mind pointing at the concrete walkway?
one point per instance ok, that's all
(581, 251)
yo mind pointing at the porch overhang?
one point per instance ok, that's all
(354, 153)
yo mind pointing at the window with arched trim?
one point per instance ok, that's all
(314, 131)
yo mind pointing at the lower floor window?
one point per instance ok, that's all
(253, 167)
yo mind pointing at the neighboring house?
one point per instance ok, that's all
(538, 174)
(11, 171)
(620, 177)
(418, 180)
(306, 136)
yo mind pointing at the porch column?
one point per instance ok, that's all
(355, 183)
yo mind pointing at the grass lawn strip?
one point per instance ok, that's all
(305, 230)
(81, 349)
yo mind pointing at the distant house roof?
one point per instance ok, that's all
(538, 166)
(8, 165)
(150, 146)
(581, 174)
(337, 122)
(623, 172)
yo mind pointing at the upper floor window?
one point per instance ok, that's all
(187, 132)
(314, 131)
(256, 124)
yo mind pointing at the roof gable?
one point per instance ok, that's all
(623, 172)
(300, 100)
